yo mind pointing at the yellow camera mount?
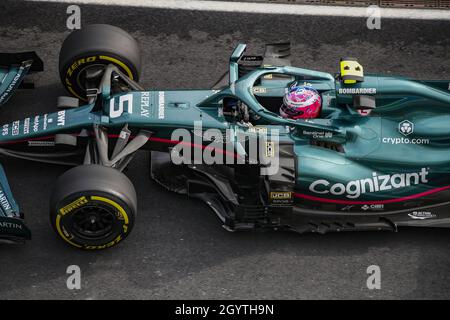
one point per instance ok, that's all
(351, 71)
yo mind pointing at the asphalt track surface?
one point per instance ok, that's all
(178, 248)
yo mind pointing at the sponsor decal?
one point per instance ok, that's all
(12, 85)
(405, 128)
(251, 58)
(36, 124)
(373, 207)
(73, 205)
(145, 104)
(61, 118)
(161, 105)
(10, 225)
(422, 215)
(357, 90)
(355, 188)
(259, 90)
(347, 208)
(318, 134)
(44, 126)
(270, 149)
(26, 126)
(15, 128)
(4, 201)
(5, 129)
(281, 197)
(37, 143)
(402, 140)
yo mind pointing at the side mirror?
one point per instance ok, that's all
(234, 59)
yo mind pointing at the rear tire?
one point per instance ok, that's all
(93, 207)
(96, 46)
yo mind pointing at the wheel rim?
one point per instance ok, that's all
(93, 222)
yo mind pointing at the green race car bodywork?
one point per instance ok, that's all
(14, 68)
(378, 157)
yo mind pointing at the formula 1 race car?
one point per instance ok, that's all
(377, 157)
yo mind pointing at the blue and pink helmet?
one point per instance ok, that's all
(301, 102)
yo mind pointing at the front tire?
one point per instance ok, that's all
(93, 207)
(93, 48)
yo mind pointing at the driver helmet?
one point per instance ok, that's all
(301, 102)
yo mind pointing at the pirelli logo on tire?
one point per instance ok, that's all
(73, 205)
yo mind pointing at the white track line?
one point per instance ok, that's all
(269, 8)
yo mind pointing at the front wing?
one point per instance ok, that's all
(13, 69)
(12, 226)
